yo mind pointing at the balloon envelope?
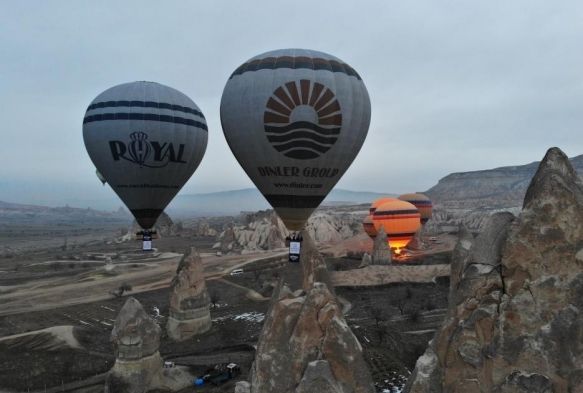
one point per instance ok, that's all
(421, 202)
(295, 120)
(400, 221)
(146, 140)
(377, 203)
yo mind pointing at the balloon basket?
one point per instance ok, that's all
(146, 237)
(294, 243)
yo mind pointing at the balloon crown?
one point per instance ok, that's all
(138, 136)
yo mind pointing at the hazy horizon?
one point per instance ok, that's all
(454, 86)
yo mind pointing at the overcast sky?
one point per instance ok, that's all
(454, 85)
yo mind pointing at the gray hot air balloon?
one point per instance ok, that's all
(146, 139)
(295, 120)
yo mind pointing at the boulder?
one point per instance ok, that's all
(242, 387)
(515, 316)
(189, 312)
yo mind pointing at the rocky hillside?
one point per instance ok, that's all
(15, 214)
(226, 203)
(493, 188)
(470, 198)
(515, 317)
(265, 231)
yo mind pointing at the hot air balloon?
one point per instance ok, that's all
(368, 226)
(295, 120)
(400, 221)
(377, 203)
(421, 202)
(146, 139)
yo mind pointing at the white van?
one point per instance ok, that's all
(236, 272)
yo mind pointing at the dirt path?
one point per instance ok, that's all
(153, 273)
(249, 293)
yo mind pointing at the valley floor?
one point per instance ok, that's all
(64, 300)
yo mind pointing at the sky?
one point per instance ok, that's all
(454, 85)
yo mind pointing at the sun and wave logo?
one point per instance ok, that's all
(302, 119)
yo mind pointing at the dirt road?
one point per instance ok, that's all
(152, 273)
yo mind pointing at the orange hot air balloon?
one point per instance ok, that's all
(400, 221)
(377, 203)
(421, 202)
(369, 227)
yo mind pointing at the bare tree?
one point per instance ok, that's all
(124, 287)
(214, 297)
(256, 275)
(400, 303)
(378, 314)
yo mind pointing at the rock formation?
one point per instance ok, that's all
(325, 226)
(306, 346)
(313, 264)
(138, 365)
(203, 228)
(189, 300)
(366, 260)
(265, 231)
(515, 317)
(242, 387)
(136, 338)
(226, 239)
(381, 253)
(449, 219)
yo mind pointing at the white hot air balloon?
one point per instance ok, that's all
(295, 120)
(146, 140)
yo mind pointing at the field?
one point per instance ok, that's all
(57, 308)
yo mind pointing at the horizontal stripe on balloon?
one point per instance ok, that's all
(397, 217)
(302, 154)
(301, 144)
(294, 63)
(299, 135)
(394, 212)
(294, 201)
(401, 235)
(302, 125)
(144, 116)
(144, 104)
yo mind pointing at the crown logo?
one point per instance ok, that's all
(139, 147)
